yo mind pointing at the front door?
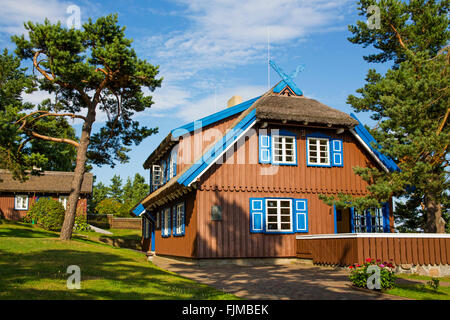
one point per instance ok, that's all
(343, 220)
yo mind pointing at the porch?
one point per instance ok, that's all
(407, 250)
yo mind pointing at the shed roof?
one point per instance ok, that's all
(45, 182)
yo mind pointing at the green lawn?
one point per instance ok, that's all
(33, 265)
(421, 291)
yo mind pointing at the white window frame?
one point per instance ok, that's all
(171, 164)
(63, 200)
(278, 215)
(283, 149)
(22, 204)
(318, 157)
(179, 218)
(166, 218)
(156, 175)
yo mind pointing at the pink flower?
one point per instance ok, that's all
(382, 265)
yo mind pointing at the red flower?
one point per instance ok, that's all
(351, 267)
(368, 260)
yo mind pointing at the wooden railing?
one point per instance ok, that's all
(400, 248)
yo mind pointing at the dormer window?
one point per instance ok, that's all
(283, 149)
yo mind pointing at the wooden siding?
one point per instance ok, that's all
(7, 210)
(231, 185)
(418, 250)
(192, 146)
(182, 246)
(231, 236)
(234, 174)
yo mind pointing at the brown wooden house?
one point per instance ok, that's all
(245, 181)
(17, 197)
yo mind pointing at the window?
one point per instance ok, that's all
(166, 223)
(376, 220)
(63, 200)
(318, 151)
(179, 219)
(158, 220)
(156, 175)
(284, 149)
(21, 202)
(278, 215)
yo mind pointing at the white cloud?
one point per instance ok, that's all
(230, 33)
(14, 13)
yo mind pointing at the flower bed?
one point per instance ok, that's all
(366, 275)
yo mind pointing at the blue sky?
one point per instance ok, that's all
(210, 50)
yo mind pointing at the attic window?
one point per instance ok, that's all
(284, 149)
(318, 151)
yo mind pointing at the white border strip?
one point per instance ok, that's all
(369, 150)
(222, 153)
(373, 235)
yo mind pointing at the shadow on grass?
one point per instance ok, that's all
(42, 275)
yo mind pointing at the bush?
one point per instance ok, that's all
(111, 206)
(81, 224)
(47, 214)
(359, 274)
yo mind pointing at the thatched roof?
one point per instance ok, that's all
(301, 109)
(46, 182)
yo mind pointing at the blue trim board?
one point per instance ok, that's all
(203, 122)
(138, 210)
(287, 80)
(371, 142)
(211, 154)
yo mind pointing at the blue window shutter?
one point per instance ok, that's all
(163, 171)
(337, 154)
(169, 222)
(386, 222)
(368, 221)
(183, 219)
(162, 222)
(352, 223)
(257, 214)
(301, 215)
(174, 220)
(265, 154)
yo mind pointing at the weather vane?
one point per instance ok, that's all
(288, 79)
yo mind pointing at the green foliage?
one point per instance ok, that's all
(115, 188)
(434, 284)
(47, 214)
(93, 68)
(111, 206)
(99, 193)
(359, 275)
(127, 196)
(422, 24)
(81, 224)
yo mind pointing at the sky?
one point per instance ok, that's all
(209, 50)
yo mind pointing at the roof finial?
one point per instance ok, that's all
(287, 79)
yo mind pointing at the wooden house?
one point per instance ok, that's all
(245, 181)
(16, 197)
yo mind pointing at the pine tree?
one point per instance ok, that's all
(89, 70)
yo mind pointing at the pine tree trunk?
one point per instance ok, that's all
(434, 222)
(77, 181)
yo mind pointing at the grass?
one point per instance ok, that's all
(420, 291)
(33, 265)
